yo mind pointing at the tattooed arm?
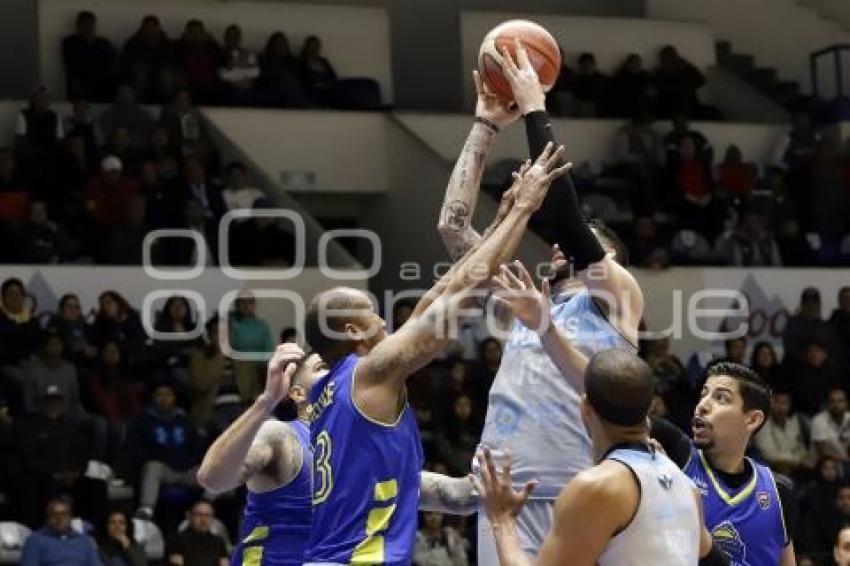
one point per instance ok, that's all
(455, 225)
(444, 494)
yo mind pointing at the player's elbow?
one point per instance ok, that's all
(208, 480)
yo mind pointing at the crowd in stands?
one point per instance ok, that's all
(89, 404)
(225, 72)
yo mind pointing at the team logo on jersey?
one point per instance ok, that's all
(665, 481)
(763, 499)
(729, 541)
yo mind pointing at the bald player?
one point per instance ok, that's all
(367, 454)
(533, 406)
(633, 507)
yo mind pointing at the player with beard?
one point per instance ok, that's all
(533, 408)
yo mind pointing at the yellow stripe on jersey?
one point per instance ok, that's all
(259, 533)
(386, 490)
(370, 551)
(379, 519)
(252, 556)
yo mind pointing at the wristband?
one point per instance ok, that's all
(487, 123)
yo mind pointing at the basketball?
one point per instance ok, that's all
(543, 52)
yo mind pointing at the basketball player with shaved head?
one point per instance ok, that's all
(367, 454)
(533, 408)
(634, 507)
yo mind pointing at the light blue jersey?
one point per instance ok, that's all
(534, 411)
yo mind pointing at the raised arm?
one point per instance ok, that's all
(531, 307)
(444, 494)
(419, 340)
(455, 224)
(611, 283)
(255, 442)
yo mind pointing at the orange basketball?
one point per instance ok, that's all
(543, 52)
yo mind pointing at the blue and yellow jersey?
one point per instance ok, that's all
(277, 522)
(746, 524)
(365, 478)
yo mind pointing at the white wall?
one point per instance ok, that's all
(836, 10)
(610, 39)
(585, 140)
(347, 151)
(780, 33)
(356, 39)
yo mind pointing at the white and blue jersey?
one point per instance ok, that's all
(533, 410)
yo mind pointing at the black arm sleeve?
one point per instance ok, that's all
(715, 557)
(785, 487)
(578, 240)
(675, 442)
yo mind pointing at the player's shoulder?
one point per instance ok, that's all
(275, 430)
(607, 480)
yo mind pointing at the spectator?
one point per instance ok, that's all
(438, 545)
(197, 545)
(57, 542)
(162, 147)
(240, 69)
(750, 244)
(691, 190)
(838, 517)
(209, 194)
(117, 547)
(829, 199)
(795, 152)
(90, 62)
(455, 384)
(841, 548)
(41, 239)
(590, 87)
(261, 241)
(237, 193)
(107, 195)
(126, 113)
(736, 350)
(764, 362)
(75, 168)
(119, 145)
(817, 501)
(677, 82)
(164, 444)
(279, 74)
(247, 332)
(646, 248)
(14, 193)
(840, 321)
(782, 439)
(19, 330)
(402, 310)
(200, 57)
(735, 177)
(177, 320)
(50, 368)
(124, 244)
(163, 199)
(116, 321)
(814, 379)
(672, 143)
(317, 74)
(632, 88)
(37, 133)
(55, 448)
(185, 126)
(214, 380)
(113, 391)
(70, 323)
(459, 436)
(81, 123)
(831, 427)
(671, 382)
(146, 55)
(638, 153)
(804, 327)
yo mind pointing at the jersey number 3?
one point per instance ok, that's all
(323, 475)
